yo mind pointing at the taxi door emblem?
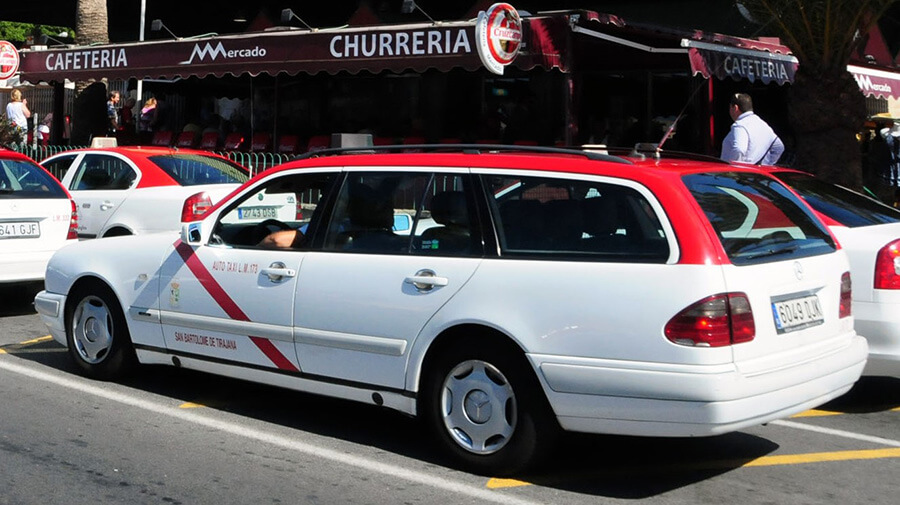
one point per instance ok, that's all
(174, 293)
(798, 270)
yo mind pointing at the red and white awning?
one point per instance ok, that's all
(875, 82)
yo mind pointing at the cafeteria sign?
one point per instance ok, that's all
(498, 32)
(9, 60)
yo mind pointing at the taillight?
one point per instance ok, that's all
(716, 321)
(73, 223)
(846, 294)
(194, 207)
(887, 267)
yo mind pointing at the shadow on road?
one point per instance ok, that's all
(18, 300)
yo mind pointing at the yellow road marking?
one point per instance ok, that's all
(38, 340)
(2, 351)
(191, 405)
(778, 460)
(817, 413)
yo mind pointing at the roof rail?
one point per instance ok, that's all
(465, 149)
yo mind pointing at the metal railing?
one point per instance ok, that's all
(256, 162)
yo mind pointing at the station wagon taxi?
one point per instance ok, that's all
(549, 289)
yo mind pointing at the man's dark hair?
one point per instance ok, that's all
(743, 101)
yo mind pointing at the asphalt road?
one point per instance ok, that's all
(178, 437)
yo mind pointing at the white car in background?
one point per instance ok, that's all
(137, 190)
(37, 217)
(870, 233)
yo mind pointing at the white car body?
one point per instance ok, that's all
(362, 326)
(876, 311)
(137, 208)
(864, 227)
(31, 229)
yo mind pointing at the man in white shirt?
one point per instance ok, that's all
(750, 140)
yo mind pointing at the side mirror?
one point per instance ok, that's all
(190, 233)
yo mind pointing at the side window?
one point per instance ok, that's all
(99, 172)
(289, 204)
(576, 219)
(402, 213)
(59, 166)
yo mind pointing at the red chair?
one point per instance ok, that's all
(318, 142)
(260, 142)
(413, 141)
(383, 141)
(233, 142)
(451, 140)
(186, 139)
(288, 144)
(162, 139)
(209, 141)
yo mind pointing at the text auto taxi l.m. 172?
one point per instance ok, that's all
(544, 290)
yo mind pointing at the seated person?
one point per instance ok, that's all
(283, 239)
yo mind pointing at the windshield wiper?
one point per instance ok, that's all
(773, 252)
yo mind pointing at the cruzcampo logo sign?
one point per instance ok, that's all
(9, 60)
(498, 32)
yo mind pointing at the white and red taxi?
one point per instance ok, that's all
(37, 217)
(557, 288)
(869, 231)
(137, 190)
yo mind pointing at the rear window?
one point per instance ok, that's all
(757, 218)
(841, 204)
(24, 179)
(196, 169)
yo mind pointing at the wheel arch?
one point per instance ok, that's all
(473, 333)
(117, 230)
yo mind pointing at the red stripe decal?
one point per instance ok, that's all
(231, 308)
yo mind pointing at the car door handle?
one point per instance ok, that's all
(278, 271)
(426, 280)
(106, 205)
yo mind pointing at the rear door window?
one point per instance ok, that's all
(405, 213)
(550, 217)
(757, 219)
(100, 172)
(841, 204)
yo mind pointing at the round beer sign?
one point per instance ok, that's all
(9, 60)
(499, 36)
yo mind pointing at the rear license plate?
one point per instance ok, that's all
(20, 230)
(797, 313)
(258, 213)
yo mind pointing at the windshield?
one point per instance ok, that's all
(24, 179)
(757, 218)
(197, 169)
(841, 204)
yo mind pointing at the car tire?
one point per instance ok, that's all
(97, 333)
(486, 409)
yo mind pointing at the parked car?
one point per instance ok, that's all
(137, 190)
(37, 217)
(558, 288)
(870, 233)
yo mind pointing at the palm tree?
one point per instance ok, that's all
(825, 106)
(91, 27)
(91, 22)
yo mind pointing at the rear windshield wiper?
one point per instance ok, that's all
(775, 251)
